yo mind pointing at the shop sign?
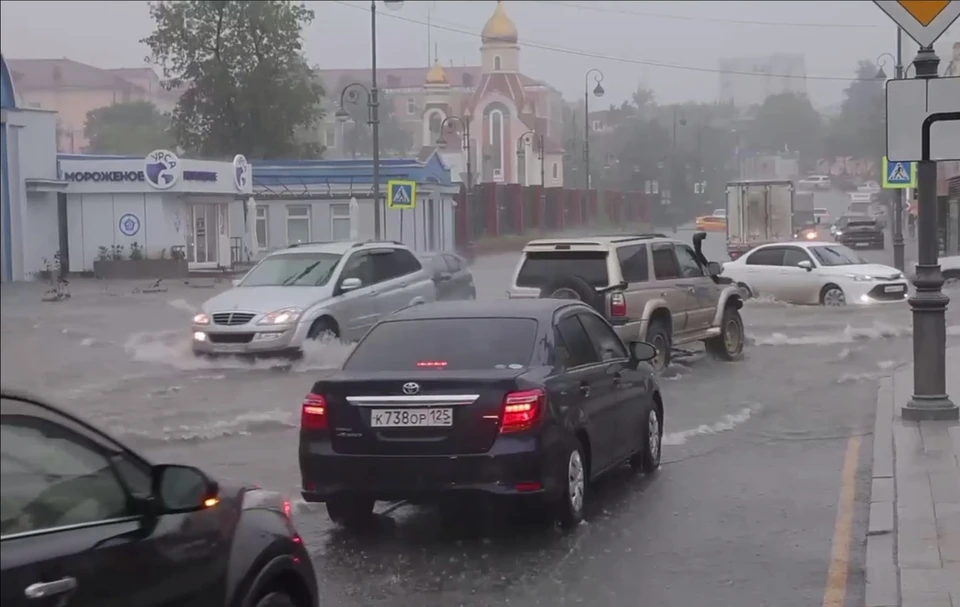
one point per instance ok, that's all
(104, 176)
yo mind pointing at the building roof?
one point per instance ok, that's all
(499, 28)
(408, 77)
(41, 74)
(427, 169)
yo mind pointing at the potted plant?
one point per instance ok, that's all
(115, 262)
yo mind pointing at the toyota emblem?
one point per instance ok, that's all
(410, 388)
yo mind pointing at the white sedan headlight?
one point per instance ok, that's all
(860, 277)
(284, 316)
(201, 319)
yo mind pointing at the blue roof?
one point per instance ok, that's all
(354, 172)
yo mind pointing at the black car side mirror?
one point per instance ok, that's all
(714, 268)
(180, 489)
(642, 351)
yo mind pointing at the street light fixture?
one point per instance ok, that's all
(881, 73)
(464, 145)
(598, 91)
(521, 150)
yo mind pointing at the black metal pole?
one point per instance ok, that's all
(898, 261)
(930, 400)
(375, 121)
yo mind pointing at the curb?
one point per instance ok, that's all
(882, 571)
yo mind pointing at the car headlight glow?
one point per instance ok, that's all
(811, 235)
(860, 277)
(284, 316)
(201, 319)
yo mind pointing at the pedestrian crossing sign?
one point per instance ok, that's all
(401, 194)
(899, 175)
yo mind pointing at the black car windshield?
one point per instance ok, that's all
(836, 255)
(539, 269)
(293, 270)
(446, 343)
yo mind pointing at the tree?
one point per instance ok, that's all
(860, 130)
(248, 88)
(786, 122)
(134, 128)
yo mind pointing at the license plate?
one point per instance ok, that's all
(861, 244)
(411, 418)
(228, 347)
(893, 289)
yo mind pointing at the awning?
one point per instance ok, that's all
(45, 185)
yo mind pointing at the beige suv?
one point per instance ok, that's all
(649, 287)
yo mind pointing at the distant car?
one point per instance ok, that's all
(870, 186)
(516, 400)
(85, 521)
(860, 232)
(308, 292)
(821, 216)
(814, 182)
(715, 222)
(815, 273)
(949, 267)
(451, 275)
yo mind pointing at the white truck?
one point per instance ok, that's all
(760, 212)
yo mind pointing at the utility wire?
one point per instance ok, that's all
(459, 29)
(621, 11)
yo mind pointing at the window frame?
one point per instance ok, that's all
(337, 214)
(308, 216)
(673, 254)
(606, 328)
(778, 248)
(638, 249)
(265, 245)
(559, 341)
(693, 256)
(411, 106)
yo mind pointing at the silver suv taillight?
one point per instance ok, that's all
(618, 305)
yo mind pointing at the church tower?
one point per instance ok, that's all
(436, 105)
(499, 51)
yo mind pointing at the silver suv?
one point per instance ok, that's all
(649, 287)
(311, 291)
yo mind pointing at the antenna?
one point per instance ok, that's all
(429, 32)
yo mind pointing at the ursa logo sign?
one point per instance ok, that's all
(162, 169)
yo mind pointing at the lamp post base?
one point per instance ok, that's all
(930, 408)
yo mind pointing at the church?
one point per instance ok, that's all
(506, 113)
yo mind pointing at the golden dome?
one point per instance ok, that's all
(436, 75)
(499, 28)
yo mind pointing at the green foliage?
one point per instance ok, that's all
(860, 128)
(787, 122)
(134, 128)
(246, 85)
(357, 133)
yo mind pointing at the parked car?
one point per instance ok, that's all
(451, 276)
(87, 522)
(821, 216)
(815, 273)
(501, 399)
(814, 182)
(308, 292)
(860, 232)
(715, 222)
(649, 287)
(949, 267)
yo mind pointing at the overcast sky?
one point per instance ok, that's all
(623, 39)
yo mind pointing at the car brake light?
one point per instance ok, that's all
(432, 364)
(313, 415)
(618, 305)
(521, 409)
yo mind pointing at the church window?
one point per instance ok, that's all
(556, 170)
(496, 63)
(496, 139)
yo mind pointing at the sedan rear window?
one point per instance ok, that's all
(539, 269)
(446, 343)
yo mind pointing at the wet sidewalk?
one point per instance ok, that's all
(913, 539)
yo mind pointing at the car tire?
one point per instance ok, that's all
(351, 512)
(565, 287)
(276, 599)
(323, 329)
(659, 335)
(647, 459)
(574, 496)
(832, 295)
(729, 344)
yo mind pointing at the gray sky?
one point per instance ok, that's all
(617, 36)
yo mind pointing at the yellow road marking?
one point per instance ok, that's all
(835, 593)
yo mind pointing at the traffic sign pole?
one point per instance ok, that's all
(898, 261)
(929, 305)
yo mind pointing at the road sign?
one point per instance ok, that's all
(401, 194)
(923, 20)
(923, 111)
(899, 175)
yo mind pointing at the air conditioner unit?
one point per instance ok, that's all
(498, 175)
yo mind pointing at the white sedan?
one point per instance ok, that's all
(815, 273)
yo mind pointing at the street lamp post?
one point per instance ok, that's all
(929, 304)
(521, 150)
(465, 145)
(898, 260)
(598, 91)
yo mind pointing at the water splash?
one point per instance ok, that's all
(848, 335)
(726, 423)
(244, 424)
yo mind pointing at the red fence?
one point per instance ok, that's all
(511, 209)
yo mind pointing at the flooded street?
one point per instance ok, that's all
(742, 512)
